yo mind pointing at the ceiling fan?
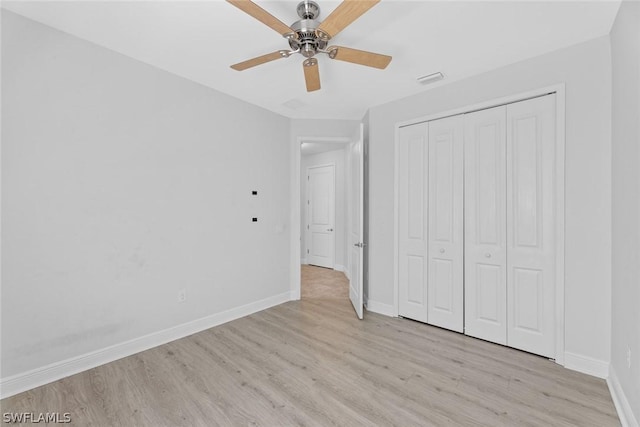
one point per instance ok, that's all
(308, 36)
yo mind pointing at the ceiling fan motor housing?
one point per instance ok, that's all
(306, 38)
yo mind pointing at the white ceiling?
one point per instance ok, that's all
(198, 40)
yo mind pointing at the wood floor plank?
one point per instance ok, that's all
(313, 363)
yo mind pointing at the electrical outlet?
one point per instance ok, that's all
(182, 295)
(629, 357)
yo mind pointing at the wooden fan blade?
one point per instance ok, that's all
(343, 15)
(260, 60)
(361, 57)
(261, 15)
(311, 74)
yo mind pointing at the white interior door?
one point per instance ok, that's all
(412, 221)
(321, 204)
(531, 225)
(356, 221)
(485, 225)
(445, 248)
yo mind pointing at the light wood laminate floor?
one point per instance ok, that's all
(323, 283)
(311, 362)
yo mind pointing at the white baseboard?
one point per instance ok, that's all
(586, 365)
(623, 407)
(380, 308)
(27, 380)
(339, 267)
(303, 261)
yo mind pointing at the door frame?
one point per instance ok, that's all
(306, 219)
(559, 90)
(294, 213)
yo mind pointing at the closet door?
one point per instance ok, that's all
(485, 225)
(445, 249)
(530, 225)
(412, 212)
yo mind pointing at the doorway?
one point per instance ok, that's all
(314, 157)
(324, 220)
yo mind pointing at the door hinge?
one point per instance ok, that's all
(307, 202)
(307, 250)
(307, 227)
(307, 177)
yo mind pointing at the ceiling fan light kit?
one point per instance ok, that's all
(309, 37)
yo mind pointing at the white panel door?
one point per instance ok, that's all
(321, 216)
(485, 225)
(445, 249)
(412, 221)
(530, 225)
(356, 221)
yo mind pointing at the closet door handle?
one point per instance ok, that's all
(441, 250)
(488, 255)
(329, 229)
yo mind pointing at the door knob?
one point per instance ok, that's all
(329, 229)
(488, 255)
(441, 250)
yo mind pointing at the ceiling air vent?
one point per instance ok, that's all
(430, 78)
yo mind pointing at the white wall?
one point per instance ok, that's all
(625, 53)
(585, 68)
(121, 185)
(337, 158)
(326, 128)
